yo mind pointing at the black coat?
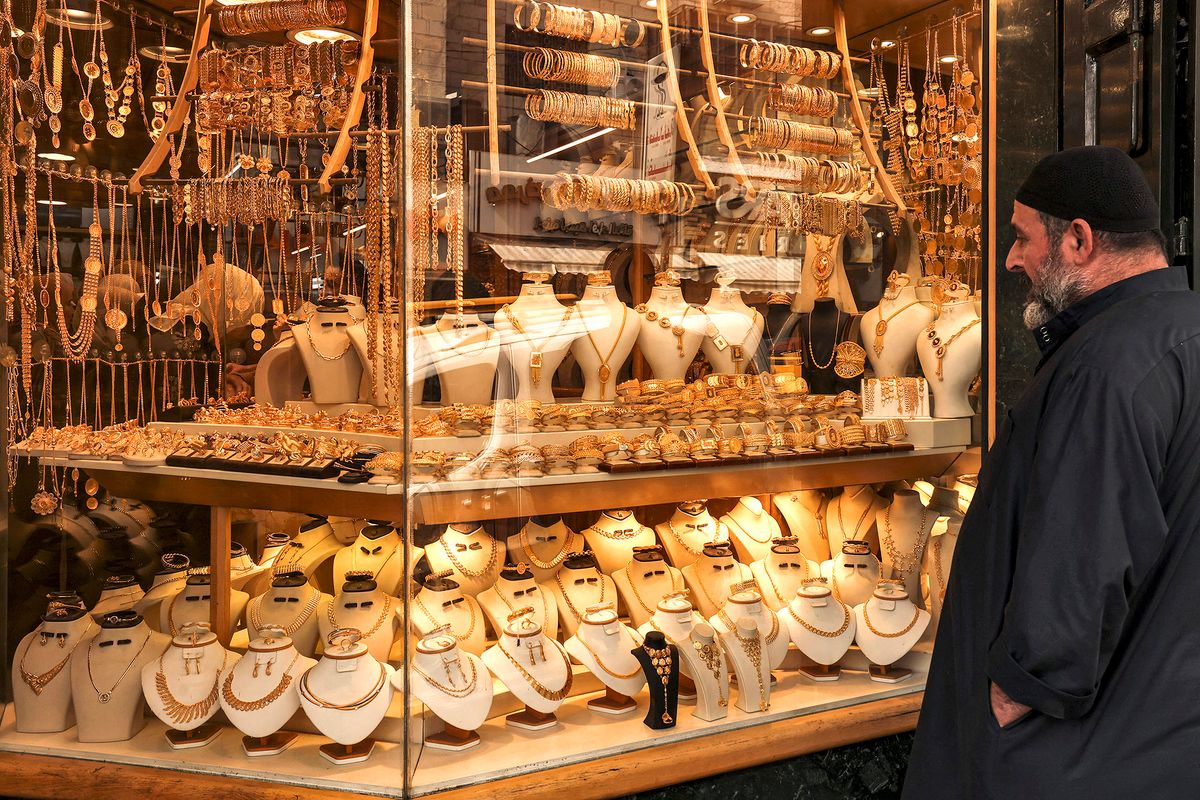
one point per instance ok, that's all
(1076, 577)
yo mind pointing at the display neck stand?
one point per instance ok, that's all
(514, 589)
(645, 581)
(610, 330)
(465, 358)
(441, 605)
(363, 607)
(733, 331)
(746, 604)
(345, 696)
(782, 572)
(888, 625)
(455, 685)
(688, 531)
(712, 577)
(314, 544)
(472, 556)
(579, 585)
(106, 692)
(821, 331)
(821, 627)
(904, 529)
(41, 677)
(192, 605)
(745, 648)
(851, 515)
(166, 584)
(333, 366)
(615, 536)
(373, 387)
(119, 594)
(182, 686)
(960, 360)
(751, 529)
(667, 353)
(659, 660)
(604, 645)
(537, 332)
(260, 693)
(939, 555)
(535, 668)
(853, 573)
(946, 503)
(542, 545)
(890, 330)
(702, 659)
(379, 549)
(291, 605)
(805, 512)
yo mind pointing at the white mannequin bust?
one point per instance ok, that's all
(119, 593)
(183, 685)
(441, 605)
(315, 543)
(517, 588)
(805, 511)
(379, 549)
(192, 604)
(671, 331)
(604, 645)
(260, 692)
(454, 684)
(644, 581)
(704, 662)
(746, 604)
(615, 536)
(851, 515)
(472, 556)
(534, 667)
(939, 555)
(674, 616)
(165, 584)
(747, 654)
(688, 531)
(41, 675)
(888, 625)
(782, 572)
(733, 330)
(333, 366)
(890, 330)
(289, 605)
(543, 544)
(751, 529)
(537, 331)
(106, 691)
(362, 606)
(465, 354)
(388, 343)
(822, 628)
(577, 586)
(610, 331)
(958, 335)
(904, 528)
(280, 374)
(853, 573)
(712, 578)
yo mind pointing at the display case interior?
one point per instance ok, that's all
(448, 398)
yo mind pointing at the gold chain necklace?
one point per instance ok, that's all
(882, 325)
(437, 623)
(901, 632)
(354, 705)
(238, 704)
(937, 564)
(452, 691)
(306, 611)
(774, 587)
(562, 588)
(685, 545)
(560, 557)
(551, 695)
(708, 595)
(711, 656)
(818, 631)
(604, 373)
(313, 344)
(752, 647)
(620, 535)
(104, 697)
(903, 563)
(665, 323)
(638, 595)
(375, 572)
(737, 352)
(179, 711)
(724, 617)
(939, 347)
(837, 326)
(535, 352)
(605, 667)
(38, 683)
(540, 594)
(749, 535)
(661, 660)
(387, 607)
(842, 524)
(461, 568)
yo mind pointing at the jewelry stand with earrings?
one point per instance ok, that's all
(888, 625)
(821, 626)
(889, 331)
(782, 572)
(615, 537)
(333, 366)
(543, 544)
(441, 605)
(534, 667)
(105, 689)
(346, 695)
(455, 685)
(537, 331)
(732, 330)
(193, 602)
(183, 684)
(604, 645)
(313, 545)
(290, 605)
(853, 573)
(671, 330)
(364, 607)
(611, 330)
(41, 690)
(689, 529)
(659, 660)
(517, 587)
(260, 693)
(378, 549)
(645, 581)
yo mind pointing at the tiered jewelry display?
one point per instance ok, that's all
(182, 685)
(260, 693)
(346, 695)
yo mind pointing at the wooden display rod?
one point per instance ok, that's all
(476, 302)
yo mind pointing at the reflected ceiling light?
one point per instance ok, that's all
(741, 18)
(887, 44)
(649, 3)
(820, 30)
(570, 144)
(52, 202)
(353, 231)
(56, 156)
(315, 35)
(75, 19)
(169, 53)
(949, 59)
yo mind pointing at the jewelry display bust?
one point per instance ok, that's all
(192, 603)
(389, 343)
(289, 605)
(379, 549)
(782, 572)
(751, 529)
(746, 604)
(543, 544)
(610, 331)
(688, 531)
(242, 568)
(333, 366)
(260, 692)
(119, 593)
(713, 577)
(465, 354)
(744, 646)
(516, 588)
(580, 584)
(854, 573)
(821, 627)
(938, 556)
(890, 330)
(441, 605)
(703, 662)
(534, 667)
(474, 557)
(904, 528)
(659, 660)
(41, 677)
(851, 515)
(645, 581)
(537, 331)
(805, 513)
(455, 685)
(615, 536)
(346, 695)
(315, 543)
(733, 330)
(670, 330)
(107, 699)
(950, 350)
(889, 624)
(821, 330)
(183, 684)
(364, 607)
(603, 645)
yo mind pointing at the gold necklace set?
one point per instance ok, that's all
(535, 350)
(575, 611)
(38, 683)
(553, 695)
(723, 615)
(940, 348)
(819, 631)
(662, 662)
(867, 619)
(180, 712)
(903, 563)
(559, 557)
(752, 646)
(604, 372)
(451, 690)
(238, 704)
(437, 623)
(605, 667)
(387, 607)
(105, 696)
(353, 705)
(297, 622)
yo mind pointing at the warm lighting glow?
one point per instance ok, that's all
(888, 44)
(562, 147)
(649, 3)
(173, 55)
(820, 30)
(314, 35)
(52, 202)
(741, 18)
(56, 156)
(75, 19)
(949, 59)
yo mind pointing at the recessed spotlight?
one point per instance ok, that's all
(820, 30)
(52, 202)
(649, 3)
(887, 44)
(56, 156)
(741, 18)
(315, 35)
(949, 59)
(168, 53)
(75, 19)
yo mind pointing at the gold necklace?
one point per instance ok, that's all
(904, 563)
(552, 695)
(461, 568)
(774, 634)
(737, 352)
(619, 535)
(842, 524)
(605, 667)
(560, 557)
(436, 622)
(535, 352)
(376, 572)
(774, 587)
(306, 611)
(387, 606)
(665, 323)
(818, 631)
(540, 593)
(180, 712)
(937, 564)
(837, 326)
(743, 529)
(104, 697)
(604, 373)
(711, 656)
(708, 595)
(901, 632)
(313, 344)
(689, 548)
(638, 595)
(452, 691)
(940, 347)
(238, 704)
(38, 683)
(171, 615)
(562, 588)
(882, 325)
(662, 661)
(752, 647)
(354, 705)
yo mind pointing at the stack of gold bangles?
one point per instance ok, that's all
(797, 98)
(586, 192)
(280, 15)
(814, 174)
(569, 22)
(545, 64)
(547, 105)
(782, 133)
(790, 59)
(822, 214)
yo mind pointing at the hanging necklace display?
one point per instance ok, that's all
(662, 661)
(940, 348)
(535, 350)
(604, 372)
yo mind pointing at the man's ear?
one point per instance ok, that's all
(1080, 240)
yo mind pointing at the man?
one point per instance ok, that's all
(1067, 664)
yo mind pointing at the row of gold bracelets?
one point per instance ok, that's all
(545, 64)
(788, 135)
(280, 15)
(569, 22)
(788, 58)
(814, 174)
(247, 201)
(285, 66)
(809, 101)
(280, 112)
(278, 446)
(547, 105)
(828, 216)
(267, 416)
(586, 192)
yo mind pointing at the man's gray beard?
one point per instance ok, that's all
(1058, 289)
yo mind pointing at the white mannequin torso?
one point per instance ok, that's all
(379, 550)
(603, 645)
(668, 354)
(711, 579)
(106, 690)
(610, 331)
(891, 616)
(751, 529)
(851, 515)
(576, 588)
(805, 511)
(343, 677)
(538, 657)
(387, 342)
(687, 532)
(779, 577)
(461, 614)
(852, 576)
(732, 333)
(333, 366)
(41, 675)
(889, 332)
(466, 359)
(437, 665)
(248, 680)
(189, 674)
(377, 621)
(473, 557)
(543, 548)
(748, 605)
(960, 361)
(537, 332)
(293, 608)
(508, 595)
(614, 536)
(904, 528)
(642, 587)
(816, 607)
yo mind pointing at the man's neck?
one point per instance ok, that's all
(1112, 270)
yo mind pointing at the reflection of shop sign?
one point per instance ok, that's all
(594, 227)
(531, 191)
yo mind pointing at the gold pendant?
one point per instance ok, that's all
(604, 373)
(666, 718)
(535, 367)
(737, 353)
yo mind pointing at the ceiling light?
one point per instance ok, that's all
(741, 18)
(949, 59)
(353, 231)
(887, 44)
(56, 156)
(570, 144)
(75, 19)
(315, 35)
(649, 3)
(820, 30)
(169, 53)
(52, 202)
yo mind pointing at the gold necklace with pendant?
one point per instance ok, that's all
(535, 352)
